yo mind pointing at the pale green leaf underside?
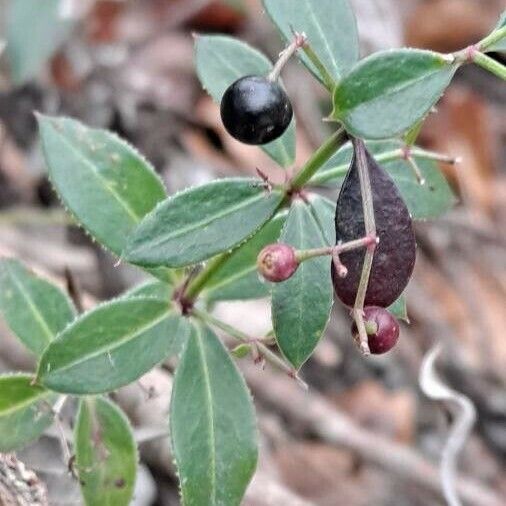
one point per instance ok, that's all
(104, 182)
(387, 93)
(329, 25)
(35, 30)
(106, 454)
(111, 346)
(34, 309)
(212, 420)
(427, 201)
(201, 222)
(301, 305)
(220, 61)
(25, 411)
(237, 278)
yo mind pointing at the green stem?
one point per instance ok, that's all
(387, 156)
(328, 80)
(490, 64)
(199, 281)
(269, 355)
(491, 39)
(322, 155)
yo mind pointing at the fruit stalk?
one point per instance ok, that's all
(263, 350)
(370, 230)
(299, 41)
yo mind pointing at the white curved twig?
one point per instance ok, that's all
(465, 416)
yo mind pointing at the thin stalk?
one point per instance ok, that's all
(285, 55)
(491, 39)
(490, 64)
(370, 230)
(244, 338)
(303, 255)
(387, 156)
(322, 155)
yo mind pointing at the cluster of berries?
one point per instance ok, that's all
(256, 110)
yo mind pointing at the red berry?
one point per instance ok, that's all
(386, 329)
(277, 262)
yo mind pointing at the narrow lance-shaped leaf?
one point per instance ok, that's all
(111, 346)
(220, 61)
(237, 278)
(34, 31)
(106, 454)
(104, 182)
(34, 309)
(424, 201)
(330, 27)
(388, 92)
(301, 305)
(198, 223)
(25, 411)
(212, 424)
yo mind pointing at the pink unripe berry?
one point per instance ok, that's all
(385, 326)
(277, 262)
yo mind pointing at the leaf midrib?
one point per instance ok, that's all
(242, 204)
(35, 311)
(109, 348)
(104, 183)
(397, 89)
(323, 38)
(209, 411)
(22, 405)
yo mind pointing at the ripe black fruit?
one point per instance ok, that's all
(386, 329)
(394, 257)
(256, 110)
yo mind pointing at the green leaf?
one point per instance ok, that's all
(301, 305)
(426, 201)
(35, 31)
(212, 422)
(220, 61)
(399, 309)
(237, 278)
(151, 289)
(324, 211)
(388, 92)
(34, 309)
(25, 411)
(111, 346)
(198, 223)
(330, 26)
(106, 454)
(102, 180)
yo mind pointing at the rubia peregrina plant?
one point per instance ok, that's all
(203, 245)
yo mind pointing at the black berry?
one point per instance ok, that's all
(382, 329)
(394, 257)
(255, 110)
